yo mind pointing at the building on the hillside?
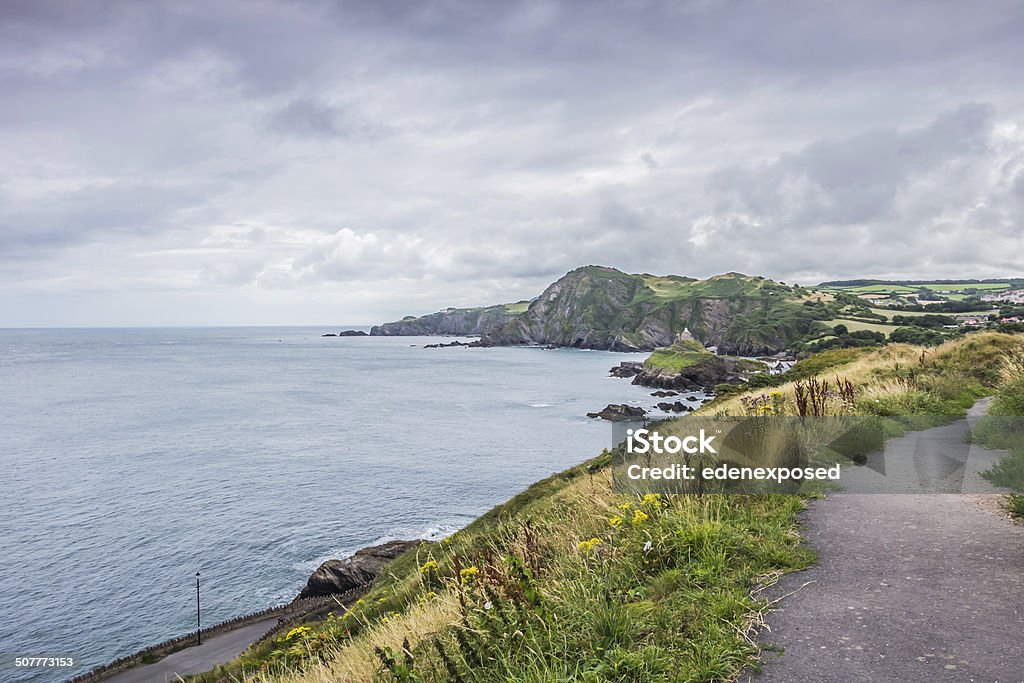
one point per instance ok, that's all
(1014, 296)
(972, 320)
(777, 367)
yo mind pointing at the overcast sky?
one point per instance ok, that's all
(328, 162)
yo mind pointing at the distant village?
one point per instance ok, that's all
(933, 297)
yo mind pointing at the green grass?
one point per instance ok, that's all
(858, 325)
(669, 359)
(878, 289)
(569, 581)
(894, 288)
(960, 286)
(517, 308)
(725, 286)
(1003, 427)
(557, 592)
(610, 610)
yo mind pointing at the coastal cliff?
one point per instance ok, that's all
(451, 321)
(596, 307)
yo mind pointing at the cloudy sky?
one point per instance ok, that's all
(330, 162)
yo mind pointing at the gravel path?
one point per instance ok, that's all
(925, 588)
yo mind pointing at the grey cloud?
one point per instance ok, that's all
(58, 219)
(479, 149)
(314, 118)
(854, 179)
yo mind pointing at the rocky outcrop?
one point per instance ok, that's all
(459, 322)
(675, 407)
(626, 369)
(478, 343)
(340, 576)
(616, 412)
(702, 375)
(352, 333)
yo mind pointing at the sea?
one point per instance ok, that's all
(134, 458)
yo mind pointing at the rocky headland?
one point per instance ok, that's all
(602, 308)
(341, 576)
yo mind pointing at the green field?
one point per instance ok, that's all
(960, 286)
(857, 325)
(888, 313)
(956, 288)
(879, 289)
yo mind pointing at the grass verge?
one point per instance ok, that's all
(570, 582)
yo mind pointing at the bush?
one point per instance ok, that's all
(918, 336)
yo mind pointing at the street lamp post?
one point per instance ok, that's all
(199, 626)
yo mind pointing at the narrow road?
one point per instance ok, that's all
(218, 649)
(908, 587)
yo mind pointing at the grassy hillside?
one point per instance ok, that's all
(603, 308)
(683, 354)
(570, 582)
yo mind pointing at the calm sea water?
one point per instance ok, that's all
(134, 458)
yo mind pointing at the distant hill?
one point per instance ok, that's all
(596, 307)
(1007, 282)
(452, 321)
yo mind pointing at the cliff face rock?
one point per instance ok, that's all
(453, 321)
(588, 308)
(340, 576)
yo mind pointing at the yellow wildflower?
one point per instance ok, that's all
(625, 506)
(297, 632)
(653, 500)
(588, 546)
(469, 574)
(639, 517)
(615, 521)
(428, 566)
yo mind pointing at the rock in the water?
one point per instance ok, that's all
(664, 394)
(442, 345)
(329, 334)
(627, 368)
(352, 333)
(676, 407)
(616, 412)
(475, 344)
(340, 576)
